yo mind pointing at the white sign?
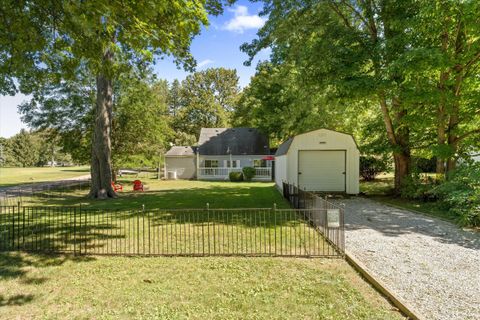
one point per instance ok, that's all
(333, 218)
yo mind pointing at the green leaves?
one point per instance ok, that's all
(204, 99)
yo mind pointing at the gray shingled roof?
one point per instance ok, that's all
(283, 148)
(178, 151)
(236, 141)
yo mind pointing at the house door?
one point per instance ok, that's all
(322, 170)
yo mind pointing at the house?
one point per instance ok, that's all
(181, 163)
(219, 152)
(475, 156)
(320, 160)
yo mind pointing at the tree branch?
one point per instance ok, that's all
(465, 135)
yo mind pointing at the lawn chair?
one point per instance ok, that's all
(137, 185)
(117, 187)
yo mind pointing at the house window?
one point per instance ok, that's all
(211, 163)
(232, 164)
(260, 163)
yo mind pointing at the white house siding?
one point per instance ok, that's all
(280, 170)
(245, 160)
(183, 165)
(322, 139)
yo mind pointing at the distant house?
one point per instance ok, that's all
(180, 162)
(476, 156)
(219, 152)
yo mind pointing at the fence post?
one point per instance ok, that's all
(208, 227)
(74, 231)
(275, 228)
(23, 228)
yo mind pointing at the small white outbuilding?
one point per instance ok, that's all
(321, 160)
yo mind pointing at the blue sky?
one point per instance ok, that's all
(217, 46)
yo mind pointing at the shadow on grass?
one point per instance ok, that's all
(216, 196)
(16, 266)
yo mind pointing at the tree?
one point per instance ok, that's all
(444, 66)
(23, 149)
(174, 98)
(141, 122)
(208, 98)
(52, 40)
(349, 50)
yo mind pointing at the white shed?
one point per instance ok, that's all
(320, 160)
(180, 162)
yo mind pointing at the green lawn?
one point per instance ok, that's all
(153, 231)
(176, 194)
(15, 176)
(64, 287)
(381, 190)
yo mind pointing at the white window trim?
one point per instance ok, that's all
(225, 163)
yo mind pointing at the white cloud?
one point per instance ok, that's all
(242, 21)
(204, 63)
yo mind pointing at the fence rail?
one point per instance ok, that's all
(261, 173)
(190, 232)
(331, 223)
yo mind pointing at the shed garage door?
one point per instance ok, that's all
(320, 170)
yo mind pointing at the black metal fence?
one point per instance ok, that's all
(190, 232)
(331, 223)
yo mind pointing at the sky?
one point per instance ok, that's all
(218, 45)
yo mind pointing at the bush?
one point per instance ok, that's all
(235, 176)
(248, 173)
(415, 189)
(461, 193)
(370, 167)
(425, 165)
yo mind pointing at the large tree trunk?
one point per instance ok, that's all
(402, 169)
(398, 140)
(101, 166)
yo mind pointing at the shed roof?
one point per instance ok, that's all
(285, 146)
(236, 141)
(180, 151)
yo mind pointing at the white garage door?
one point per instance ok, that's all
(321, 170)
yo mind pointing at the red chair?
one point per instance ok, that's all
(117, 187)
(137, 185)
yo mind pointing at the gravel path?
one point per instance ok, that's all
(43, 184)
(432, 265)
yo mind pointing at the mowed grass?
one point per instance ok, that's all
(65, 287)
(381, 189)
(16, 176)
(184, 231)
(168, 194)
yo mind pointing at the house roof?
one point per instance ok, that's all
(285, 146)
(180, 151)
(236, 141)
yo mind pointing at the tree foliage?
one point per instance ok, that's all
(375, 66)
(207, 99)
(49, 41)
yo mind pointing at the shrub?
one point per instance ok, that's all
(370, 167)
(425, 165)
(248, 173)
(235, 176)
(461, 193)
(414, 188)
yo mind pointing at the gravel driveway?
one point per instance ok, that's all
(432, 265)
